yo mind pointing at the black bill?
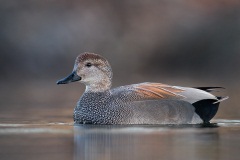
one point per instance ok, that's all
(73, 77)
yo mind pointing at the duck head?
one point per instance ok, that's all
(93, 70)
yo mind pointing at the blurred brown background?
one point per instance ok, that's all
(185, 43)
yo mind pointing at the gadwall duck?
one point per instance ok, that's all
(143, 103)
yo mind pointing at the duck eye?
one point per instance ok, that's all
(88, 64)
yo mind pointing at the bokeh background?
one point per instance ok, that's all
(177, 42)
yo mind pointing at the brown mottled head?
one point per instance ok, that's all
(89, 56)
(93, 70)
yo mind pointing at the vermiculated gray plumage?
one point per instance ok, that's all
(107, 108)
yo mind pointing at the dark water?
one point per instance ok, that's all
(64, 141)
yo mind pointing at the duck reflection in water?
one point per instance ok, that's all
(145, 142)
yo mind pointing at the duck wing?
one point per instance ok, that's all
(148, 91)
(159, 91)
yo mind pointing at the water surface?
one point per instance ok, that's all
(57, 141)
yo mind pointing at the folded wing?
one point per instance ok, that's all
(159, 91)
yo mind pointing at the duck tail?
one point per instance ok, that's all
(209, 89)
(220, 99)
(206, 109)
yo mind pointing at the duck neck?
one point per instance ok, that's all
(101, 86)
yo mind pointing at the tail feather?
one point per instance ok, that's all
(209, 89)
(220, 99)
